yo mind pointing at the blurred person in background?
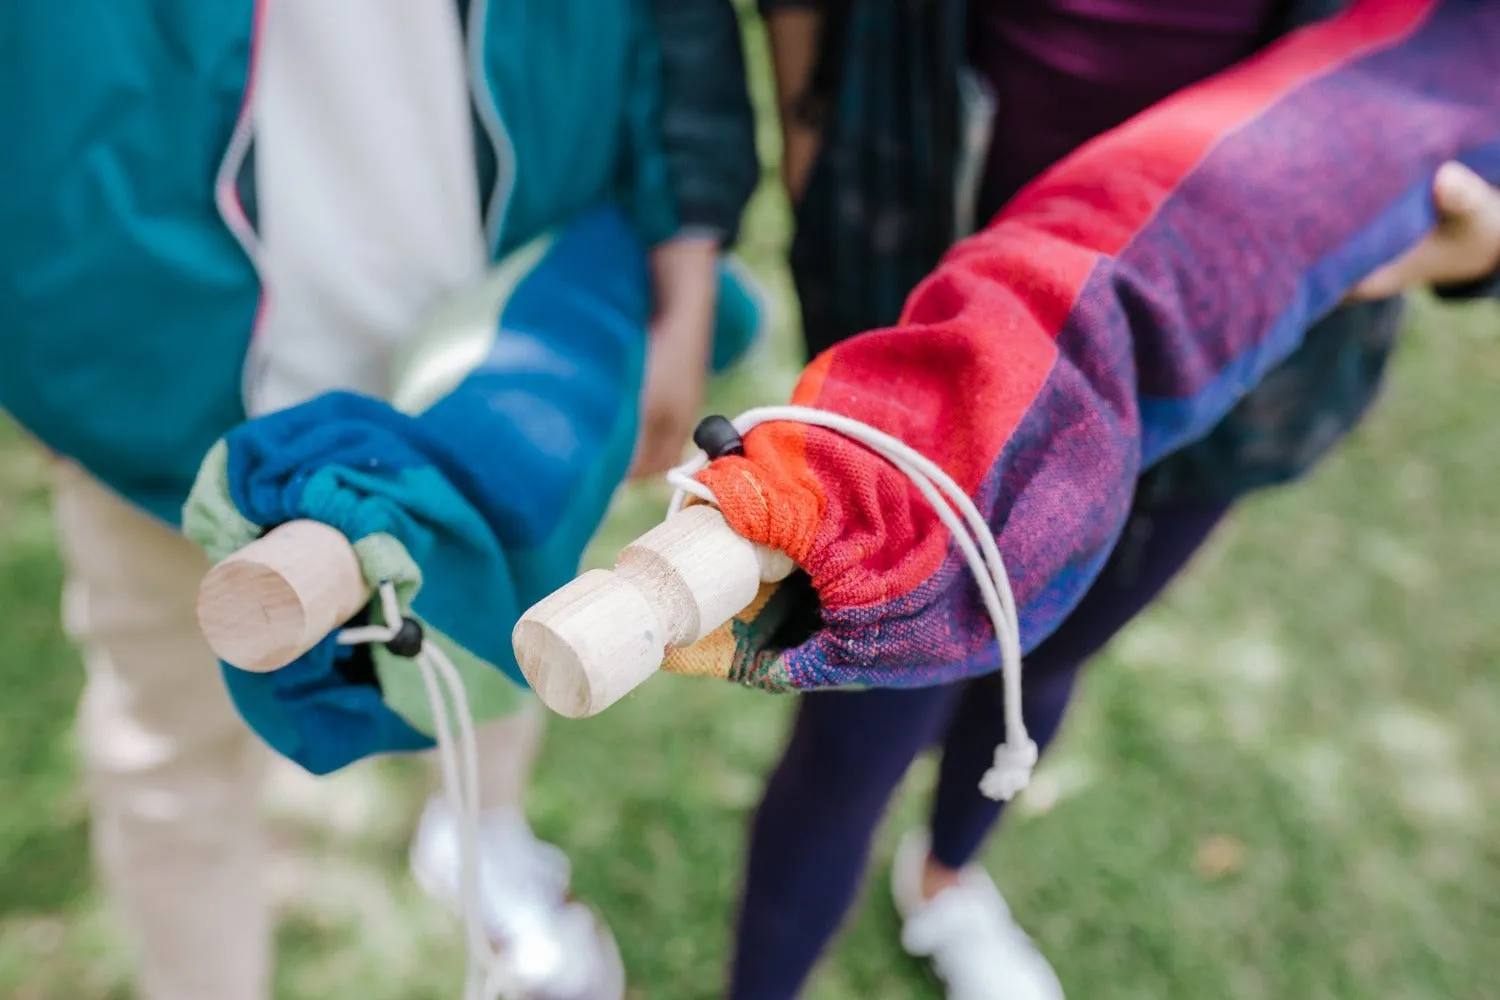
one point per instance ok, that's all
(223, 211)
(903, 125)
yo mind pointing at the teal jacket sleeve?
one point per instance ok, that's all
(474, 493)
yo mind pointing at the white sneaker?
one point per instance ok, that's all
(967, 934)
(551, 948)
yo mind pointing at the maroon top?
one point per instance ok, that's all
(1066, 70)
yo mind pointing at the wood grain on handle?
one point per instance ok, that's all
(589, 644)
(276, 598)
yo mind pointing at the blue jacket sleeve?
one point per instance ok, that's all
(475, 494)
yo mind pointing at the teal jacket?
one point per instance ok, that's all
(127, 302)
(135, 276)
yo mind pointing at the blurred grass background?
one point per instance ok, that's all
(1279, 783)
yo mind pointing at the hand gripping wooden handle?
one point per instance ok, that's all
(589, 644)
(276, 598)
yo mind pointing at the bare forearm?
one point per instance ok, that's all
(684, 279)
(794, 34)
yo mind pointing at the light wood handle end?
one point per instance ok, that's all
(578, 668)
(276, 598)
(598, 638)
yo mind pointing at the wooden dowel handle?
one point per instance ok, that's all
(589, 644)
(276, 598)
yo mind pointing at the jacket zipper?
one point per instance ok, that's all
(497, 199)
(227, 198)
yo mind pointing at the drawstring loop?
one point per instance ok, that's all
(458, 753)
(459, 762)
(1016, 758)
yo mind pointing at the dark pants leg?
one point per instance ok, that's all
(848, 751)
(1155, 548)
(811, 836)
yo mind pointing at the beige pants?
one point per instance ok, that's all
(173, 773)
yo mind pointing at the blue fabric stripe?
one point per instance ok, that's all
(1169, 424)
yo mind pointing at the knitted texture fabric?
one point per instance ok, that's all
(474, 492)
(1112, 314)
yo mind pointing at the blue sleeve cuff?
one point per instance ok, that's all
(357, 465)
(476, 504)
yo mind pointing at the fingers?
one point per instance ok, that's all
(1382, 284)
(666, 427)
(1464, 246)
(676, 377)
(660, 451)
(1459, 191)
(649, 462)
(1394, 278)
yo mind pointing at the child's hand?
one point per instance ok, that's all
(1462, 248)
(685, 276)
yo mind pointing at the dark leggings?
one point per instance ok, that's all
(849, 750)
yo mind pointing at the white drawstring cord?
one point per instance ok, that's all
(460, 767)
(1014, 759)
(1017, 756)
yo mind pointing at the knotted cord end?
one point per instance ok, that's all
(1011, 771)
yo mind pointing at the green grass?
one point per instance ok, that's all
(1317, 693)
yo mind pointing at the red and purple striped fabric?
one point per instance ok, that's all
(1113, 312)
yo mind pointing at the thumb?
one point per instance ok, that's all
(1459, 192)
